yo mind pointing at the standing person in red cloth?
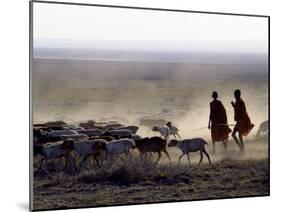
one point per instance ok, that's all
(218, 122)
(243, 123)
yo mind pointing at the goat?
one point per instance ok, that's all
(153, 144)
(190, 145)
(164, 131)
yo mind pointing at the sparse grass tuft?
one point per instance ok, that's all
(136, 181)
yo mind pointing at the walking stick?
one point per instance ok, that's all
(201, 128)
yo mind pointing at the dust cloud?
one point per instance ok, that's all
(129, 90)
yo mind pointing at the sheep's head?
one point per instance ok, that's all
(140, 142)
(133, 145)
(173, 142)
(155, 129)
(97, 146)
(106, 133)
(67, 144)
(91, 122)
(37, 149)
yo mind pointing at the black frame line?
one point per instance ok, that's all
(31, 171)
(139, 8)
(146, 8)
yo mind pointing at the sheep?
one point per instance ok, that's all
(263, 129)
(112, 126)
(72, 127)
(37, 149)
(164, 131)
(56, 124)
(136, 137)
(58, 149)
(39, 136)
(57, 133)
(88, 125)
(75, 137)
(117, 147)
(132, 128)
(174, 131)
(100, 125)
(153, 144)
(108, 138)
(91, 132)
(119, 133)
(86, 148)
(191, 145)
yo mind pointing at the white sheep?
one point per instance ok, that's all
(55, 150)
(174, 131)
(86, 148)
(191, 145)
(164, 131)
(117, 147)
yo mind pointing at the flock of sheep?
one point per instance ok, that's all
(109, 139)
(104, 141)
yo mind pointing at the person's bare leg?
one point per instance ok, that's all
(225, 145)
(242, 149)
(214, 148)
(236, 139)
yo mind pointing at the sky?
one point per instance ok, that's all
(73, 26)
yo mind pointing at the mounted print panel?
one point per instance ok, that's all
(142, 105)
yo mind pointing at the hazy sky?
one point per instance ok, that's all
(58, 25)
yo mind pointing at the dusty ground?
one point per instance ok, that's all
(77, 90)
(135, 182)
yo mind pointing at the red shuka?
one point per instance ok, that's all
(219, 128)
(243, 122)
